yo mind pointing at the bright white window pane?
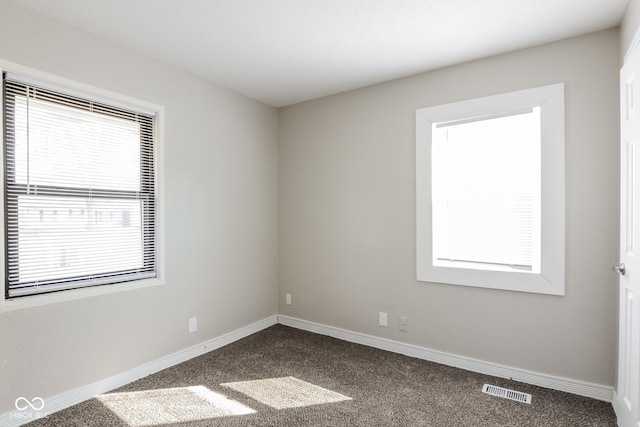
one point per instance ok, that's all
(486, 177)
(57, 145)
(63, 237)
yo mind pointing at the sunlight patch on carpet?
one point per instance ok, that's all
(286, 392)
(171, 405)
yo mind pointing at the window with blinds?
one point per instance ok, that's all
(80, 190)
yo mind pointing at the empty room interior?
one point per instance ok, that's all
(267, 212)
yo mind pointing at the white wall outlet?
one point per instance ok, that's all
(382, 319)
(287, 298)
(193, 324)
(404, 323)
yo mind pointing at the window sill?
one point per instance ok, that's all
(511, 281)
(7, 305)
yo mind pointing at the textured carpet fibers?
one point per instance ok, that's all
(287, 377)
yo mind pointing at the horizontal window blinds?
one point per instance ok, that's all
(80, 193)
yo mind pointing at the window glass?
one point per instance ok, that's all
(486, 192)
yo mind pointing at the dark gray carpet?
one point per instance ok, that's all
(360, 386)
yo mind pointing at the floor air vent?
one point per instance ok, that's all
(505, 393)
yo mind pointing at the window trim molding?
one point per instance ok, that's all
(118, 100)
(551, 280)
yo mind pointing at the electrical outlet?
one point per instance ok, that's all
(193, 324)
(287, 298)
(404, 323)
(382, 319)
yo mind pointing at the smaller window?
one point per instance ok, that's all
(490, 191)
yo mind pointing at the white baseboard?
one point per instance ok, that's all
(73, 397)
(594, 391)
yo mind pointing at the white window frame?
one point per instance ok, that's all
(551, 279)
(115, 99)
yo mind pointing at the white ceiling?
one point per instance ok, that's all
(286, 51)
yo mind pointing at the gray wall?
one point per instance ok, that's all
(221, 221)
(347, 216)
(629, 26)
